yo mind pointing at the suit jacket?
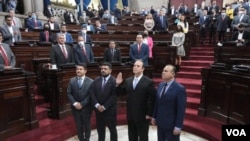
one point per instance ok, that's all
(7, 36)
(57, 56)
(143, 54)
(80, 56)
(169, 110)
(108, 55)
(159, 25)
(69, 38)
(17, 22)
(42, 37)
(102, 28)
(10, 55)
(31, 25)
(140, 101)
(222, 25)
(107, 97)
(87, 38)
(83, 19)
(82, 94)
(236, 20)
(203, 21)
(245, 36)
(56, 26)
(48, 12)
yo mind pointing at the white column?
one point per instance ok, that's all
(38, 4)
(27, 6)
(109, 5)
(81, 5)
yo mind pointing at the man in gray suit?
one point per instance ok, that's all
(10, 32)
(16, 21)
(7, 58)
(79, 98)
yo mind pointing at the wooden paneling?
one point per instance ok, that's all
(225, 96)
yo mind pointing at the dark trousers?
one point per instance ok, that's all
(167, 135)
(212, 35)
(103, 120)
(203, 32)
(221, 35)
(138, 131)
(83, 124)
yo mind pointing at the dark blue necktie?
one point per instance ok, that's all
(163, 90)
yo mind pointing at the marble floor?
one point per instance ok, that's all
(122, 135)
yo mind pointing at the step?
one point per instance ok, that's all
(39, 99)
(193, 93)
(201, 63)
(193, 114)
(203, 129)
(190, 83)
(193, 103)
(197, 52)
(187, 74)
(205, 58)
(202, 49)
(191, 68)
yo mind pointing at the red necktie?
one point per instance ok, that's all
(5, 57)
(85, 54)
(47, 36)
(35, 23)
(64, 52)
(139, 48)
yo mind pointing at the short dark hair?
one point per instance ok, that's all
(140, 60)
(107, 64)
(82, 65)
(7, 16)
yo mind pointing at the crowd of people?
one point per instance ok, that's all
(145, 104)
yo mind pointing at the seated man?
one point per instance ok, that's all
(34, 23)
(7, 58)
(112, 54)
(67, 36)
(86, 37)
(112, 20)
(52, 24)
(241, 36)
(99, 27)
(83, 52)
(61, 53)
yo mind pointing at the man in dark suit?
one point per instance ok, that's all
(99, 27)
(139, 50)
(161, 22)
(170, 106)
(34, 23)
(7, 58)
(61, 53)
(104, 97)
(112, 54)
(83, 52)
(67, 36)
(79, 98)
(141, 94)
(241, 37)
(87, 38)
(48, 12)
(53, 25)
(204, 24)
(222, 25)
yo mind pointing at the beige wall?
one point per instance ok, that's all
(139, 4)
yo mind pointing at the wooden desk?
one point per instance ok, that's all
(225, 96)
(17, 105)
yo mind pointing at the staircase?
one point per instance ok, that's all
(190, 77)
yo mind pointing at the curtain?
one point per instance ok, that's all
(86, 3)
(104, 4)
(112, 4)
(125, 2)
(79, 13)
(45, 4)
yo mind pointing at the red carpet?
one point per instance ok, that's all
(189, 76)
